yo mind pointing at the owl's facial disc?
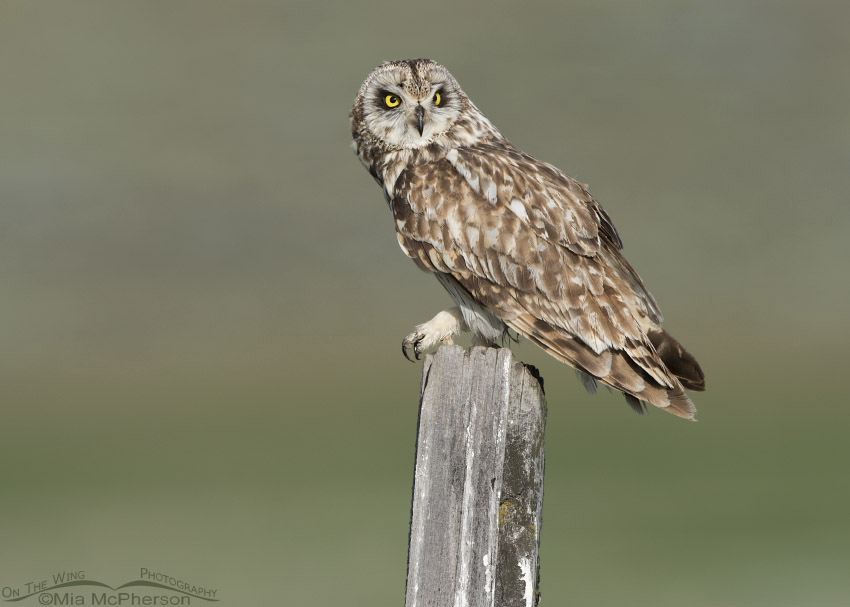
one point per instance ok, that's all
(409, 107)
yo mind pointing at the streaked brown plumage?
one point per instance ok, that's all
(517, 243)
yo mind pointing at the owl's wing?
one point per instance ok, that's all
(555, 206)
(529, 244)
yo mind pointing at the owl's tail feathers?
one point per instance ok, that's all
(681, 363)
(614, 368)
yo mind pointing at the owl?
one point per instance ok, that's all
(518, 244)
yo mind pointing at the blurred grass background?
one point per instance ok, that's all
(203, 299)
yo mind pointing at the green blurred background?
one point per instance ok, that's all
(202, 297)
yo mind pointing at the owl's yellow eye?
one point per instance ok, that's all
(437, 99)
(392, 101)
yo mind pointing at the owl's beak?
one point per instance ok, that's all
(420, 119)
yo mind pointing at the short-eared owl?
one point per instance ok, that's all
(515, 242)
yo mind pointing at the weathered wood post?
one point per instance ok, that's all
(478, 485)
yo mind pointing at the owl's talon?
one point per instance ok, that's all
(413, 341)
(404, 346)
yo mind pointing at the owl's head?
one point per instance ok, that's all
(408, 104)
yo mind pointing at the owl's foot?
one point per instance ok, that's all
(439, 329)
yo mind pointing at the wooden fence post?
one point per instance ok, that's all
(478, 484)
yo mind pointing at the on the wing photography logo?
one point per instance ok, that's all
(74, 588)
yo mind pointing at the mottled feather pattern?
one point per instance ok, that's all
(450, 228)
(545, 199)
(519, 240)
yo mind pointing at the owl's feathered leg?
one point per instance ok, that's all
(439, 329)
